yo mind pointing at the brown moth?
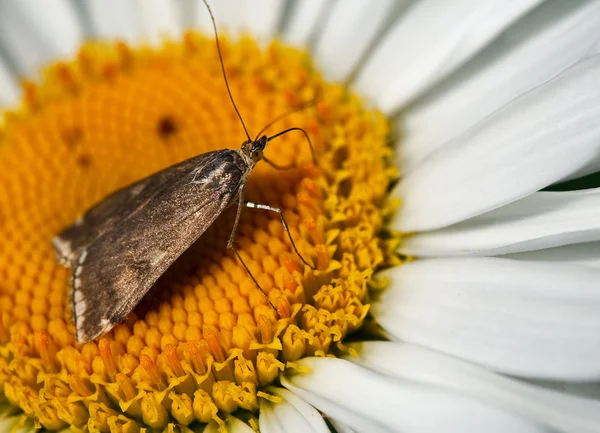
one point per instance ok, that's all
(121, 246)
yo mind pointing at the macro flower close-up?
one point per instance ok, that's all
(416, 250)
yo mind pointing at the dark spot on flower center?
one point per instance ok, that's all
(84, 160)
(72, 137)
(166, 127)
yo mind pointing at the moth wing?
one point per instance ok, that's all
(114, 272)
(117, 207)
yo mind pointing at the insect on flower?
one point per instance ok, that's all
(121, 246)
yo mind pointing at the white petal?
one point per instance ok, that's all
(429, 42)
(11, 417)
(587, 254)
(531, 319)
(536, 49)
(56, 23)
(304, 21)
(211, 428)
(222, 11)
(405, 361)
(589, 390)
(35, 32)
(542, 220)
(595, 50)
(22, 46)
(258, 17)
(534, 141)
(159, 19)
(9, 89)
(9, 422)
(349, 31)
(352, 394)
(114, 19)
(291, 415)
(340, 427)
(232, 425)
(235, 425)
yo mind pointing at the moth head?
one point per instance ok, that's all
(257, 147)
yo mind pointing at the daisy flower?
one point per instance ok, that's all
(456, 287)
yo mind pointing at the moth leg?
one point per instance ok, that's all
(285, 226)
(252, 276)
(237, 217)
(231, 245)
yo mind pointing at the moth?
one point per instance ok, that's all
(121, 246)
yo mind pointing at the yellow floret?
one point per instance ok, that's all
(205, 342)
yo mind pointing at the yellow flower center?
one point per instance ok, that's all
(204, 342)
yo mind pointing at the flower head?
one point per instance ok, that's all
(485, 316)
(205, 342)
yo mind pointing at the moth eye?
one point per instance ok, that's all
(257, 155)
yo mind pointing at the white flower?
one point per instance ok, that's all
(496, 326)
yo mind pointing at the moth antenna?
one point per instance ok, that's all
(214, 25)
(312, 150)
(286, 114)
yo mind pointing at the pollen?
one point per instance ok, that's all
(204, 342)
